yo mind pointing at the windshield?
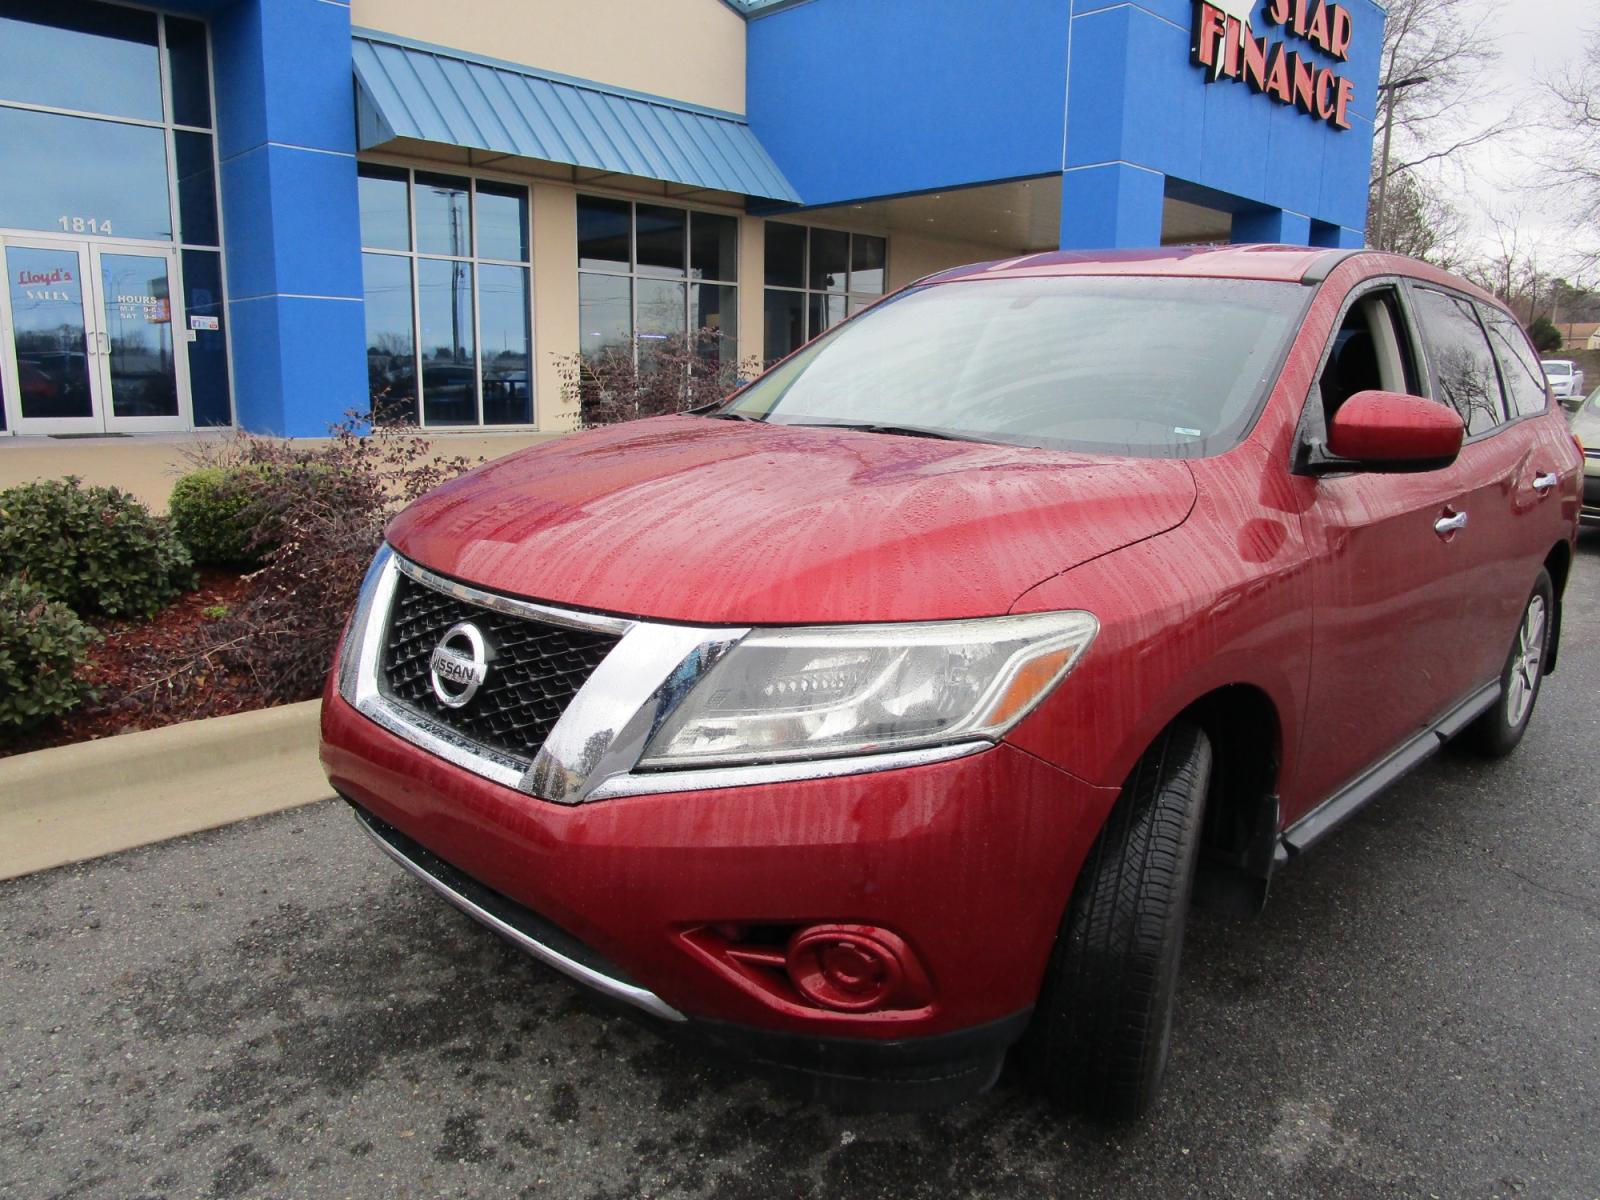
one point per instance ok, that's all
(1152, 367)
(1557, 368)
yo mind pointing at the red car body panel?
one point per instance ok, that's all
(1331, 599)
(803, 525)
(629, 876)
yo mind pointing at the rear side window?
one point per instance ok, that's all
(1464, 373)
(1524, 377)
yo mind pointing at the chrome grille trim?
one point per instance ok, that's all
(594, 748)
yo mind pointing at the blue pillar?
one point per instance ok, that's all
(1273, 225)
(1336, 237)
(1111, 206)
(286, 129)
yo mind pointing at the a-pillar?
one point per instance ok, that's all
(286, 139)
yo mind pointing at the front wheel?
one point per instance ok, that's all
(1497, 732)
(1104, 1019)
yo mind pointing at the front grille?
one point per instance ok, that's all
(535, 669)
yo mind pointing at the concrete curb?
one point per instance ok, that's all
(79, 802)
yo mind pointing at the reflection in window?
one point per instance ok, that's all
(391, 344)
(80, 55)
(472, 315)
(1463, 367)
(385, 208)
(82, 171)
(815, 278)
(1519, 365)
(449, 360)
(444, 219)
(503, 320)
(632, 259)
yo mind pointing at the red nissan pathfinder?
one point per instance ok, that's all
(891, 713)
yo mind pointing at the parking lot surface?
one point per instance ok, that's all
(273, 1009)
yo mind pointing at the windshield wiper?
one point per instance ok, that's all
(943, 435)
(733, 416)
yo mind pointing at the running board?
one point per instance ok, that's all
(1345, 803)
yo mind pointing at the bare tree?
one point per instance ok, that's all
(1437, 50)
(1574, 158)
(1421, 223)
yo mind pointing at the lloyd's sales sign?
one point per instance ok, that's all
(1227, 47)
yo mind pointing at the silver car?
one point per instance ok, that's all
(1586, 427)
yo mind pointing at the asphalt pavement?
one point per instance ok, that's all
(273, 1009)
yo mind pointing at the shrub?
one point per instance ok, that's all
(42, 644)
(326, 505)
(214, 513)
(95, 549)
(650, 379)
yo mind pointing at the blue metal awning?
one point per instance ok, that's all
(404, 90)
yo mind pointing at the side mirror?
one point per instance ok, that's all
(1390, 431)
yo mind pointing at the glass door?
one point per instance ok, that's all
(143, 375)
(86, 339)
(49, 349)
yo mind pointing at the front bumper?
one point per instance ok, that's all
(969, 861)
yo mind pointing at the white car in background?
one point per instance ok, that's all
(1566, 379)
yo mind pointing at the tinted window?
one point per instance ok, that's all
(208, 353)
(502, 221)
(503, 320)
(786, 255)
(197, 187)
(444, 220)
(1463, 368)
(1054, 362)
(80, 171)
(1524, 379)
(391, 337)
(660, 235)
(713, 246)
(191, 78)
(603, 227)
(444, 311)
(385, 209)
(77, 54)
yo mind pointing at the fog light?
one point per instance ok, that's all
(853, 968)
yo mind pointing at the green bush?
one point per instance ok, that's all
(214, 514)
(95, 549)
(42, 644)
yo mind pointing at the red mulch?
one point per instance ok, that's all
(128, 664)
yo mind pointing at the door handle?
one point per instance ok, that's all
(1445, 526)
(1543, 483)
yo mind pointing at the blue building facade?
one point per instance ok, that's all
(370, 206)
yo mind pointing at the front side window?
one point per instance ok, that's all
(652, 275)
(448, 303)
(815, 278)
(1519, 366)
(1464, 372)
(1058, 362)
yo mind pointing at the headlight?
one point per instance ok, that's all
(860, 689)
(356, 630)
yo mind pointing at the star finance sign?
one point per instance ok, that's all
(1226, 47)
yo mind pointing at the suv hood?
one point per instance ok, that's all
(731, 522)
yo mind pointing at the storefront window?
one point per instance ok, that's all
(636, 262)
(118, 128)
(815, 278)
(455, 313)
(85, 56)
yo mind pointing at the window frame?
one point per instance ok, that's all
(854, 301)
(633, 274)
(411, 167)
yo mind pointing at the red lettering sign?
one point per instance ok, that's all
(1227, 48)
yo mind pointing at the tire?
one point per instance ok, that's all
(1496, 733)
(1101, 1028)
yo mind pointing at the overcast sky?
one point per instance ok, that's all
(1536, 39)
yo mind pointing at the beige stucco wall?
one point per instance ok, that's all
(555, 300)
(912, 256)
(689, 50)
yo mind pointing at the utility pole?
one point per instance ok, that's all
(1389, 89)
